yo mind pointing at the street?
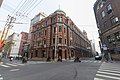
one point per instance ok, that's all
(86, 70)
(38, 70)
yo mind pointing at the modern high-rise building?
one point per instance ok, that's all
(57, 36)
(107, 14)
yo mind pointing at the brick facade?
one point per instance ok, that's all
(58, 29)
(107, 14)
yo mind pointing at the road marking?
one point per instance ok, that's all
(1, 78)
(4, 65)
(10, 64)
(101, 75)
(14, 69)
(95, 61)
(91, 61)
(114, 74)
(109, 71)
(18, 64)
(98, 79)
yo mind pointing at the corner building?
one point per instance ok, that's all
(107, 14)
(58, 37)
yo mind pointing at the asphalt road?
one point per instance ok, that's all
(51, 71)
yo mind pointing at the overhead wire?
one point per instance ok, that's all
(32, 8)
(17, 7)
(29, 5)
(35, 6)
(24, 8)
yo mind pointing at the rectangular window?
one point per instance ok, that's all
(59, 19)
(103, 14)
(38, 43)
(53, 40)
(60, 28)
(109, 9)
(114, 20)
(54, 19)
(109, 39)
(46, 23)
(117, 36)
(65, 41)
(44, 41)
(60, 40)
(45, 32)
(54, 29)
(34, 36)
(39, 34)
(105, 24)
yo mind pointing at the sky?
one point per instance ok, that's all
(80, 11)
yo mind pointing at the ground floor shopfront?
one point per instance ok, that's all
(64, 53)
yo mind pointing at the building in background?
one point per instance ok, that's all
(1, 2)
(14, 44)
(107, 14)
(93, 47)
(24, 38)
(57, 36)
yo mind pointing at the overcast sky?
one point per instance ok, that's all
(80, 11)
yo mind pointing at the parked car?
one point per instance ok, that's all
(98, 57)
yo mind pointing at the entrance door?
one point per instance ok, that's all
(60, 54)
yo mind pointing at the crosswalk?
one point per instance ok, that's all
(108, 71)
(1, 78)
(6, 65)
(88, 61)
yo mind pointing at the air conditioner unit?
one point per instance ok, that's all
(116, 19)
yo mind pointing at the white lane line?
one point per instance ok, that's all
(109, 71)
(111, 77)
(95, 61)
(14, 69)
(110, 68)
(10, 64)
(18, 64)
(4, 65)
(1, 78)
(114, 74)
(98, 79)
(86, 61)
(91, 61)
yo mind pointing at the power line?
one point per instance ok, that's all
(17, 7)
(32, 8)
(35, 6)
(14, 22)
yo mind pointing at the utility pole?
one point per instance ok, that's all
(5, 31)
